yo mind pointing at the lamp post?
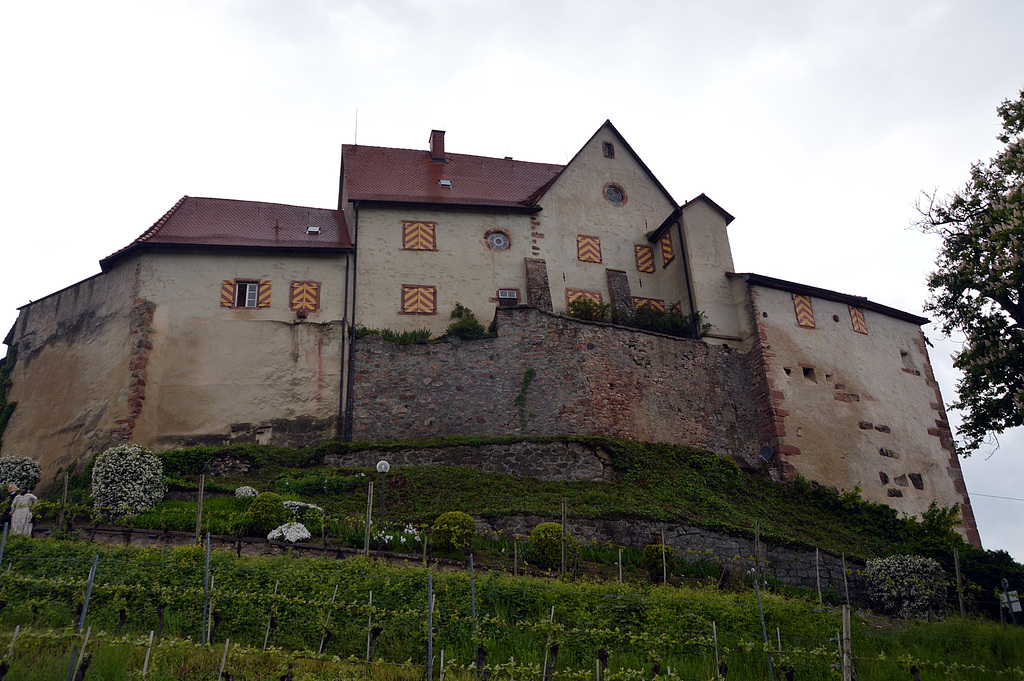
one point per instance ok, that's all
(382, 467)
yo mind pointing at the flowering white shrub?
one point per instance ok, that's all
(20, 470)
(126, 479)
(246, 492)
(906, 586)
(289, 532)
(297, 507)
(406, 538)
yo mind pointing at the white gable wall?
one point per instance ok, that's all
(575, 205)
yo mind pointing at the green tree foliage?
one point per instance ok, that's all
(978, 286)
(6, 368)
(466, 325)
(644, 317)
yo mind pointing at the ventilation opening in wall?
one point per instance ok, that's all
(809, 374)
(907, 362)
(508, 297)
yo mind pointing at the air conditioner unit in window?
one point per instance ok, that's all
(508, 297)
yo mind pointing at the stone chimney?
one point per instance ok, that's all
(437, 145)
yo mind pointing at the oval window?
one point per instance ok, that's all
(614, 194)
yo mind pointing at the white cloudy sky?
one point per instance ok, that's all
(815, 123)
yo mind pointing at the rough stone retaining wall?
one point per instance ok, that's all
(559, 461)
(548, 375)
(791, 566)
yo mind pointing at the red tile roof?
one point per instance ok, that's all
(246, 224)
(409, 176)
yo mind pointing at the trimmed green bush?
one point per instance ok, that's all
(452, 531)
(650, 560)
(546, 546)
(266, 513)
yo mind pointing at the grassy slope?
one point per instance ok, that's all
(652, 482)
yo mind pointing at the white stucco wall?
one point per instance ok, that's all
(710, 258)
(463, 268)
(223, 372)
(70, 379)
(145, 352)
(847, 395)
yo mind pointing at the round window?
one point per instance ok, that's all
(499, 241)
(614, 194)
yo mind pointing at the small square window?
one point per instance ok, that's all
(574, 294)
(304, 296)
(418, 299)
(653, 303)
(667, 254)
(419, 236)
(644, 258)
(246, 293)
(588, 248)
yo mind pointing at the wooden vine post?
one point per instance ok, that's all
(959, 583)
(369, 517)
(664, 562)
(63, 503)
(847, 648)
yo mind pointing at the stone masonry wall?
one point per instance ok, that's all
(548, 375)
(791, 566)
(557, 461)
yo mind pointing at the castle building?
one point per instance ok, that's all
(234, 321)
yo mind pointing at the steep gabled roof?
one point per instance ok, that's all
(704, 198)
(628, 148)
(385, 175)
(225, 223)
(826, 294)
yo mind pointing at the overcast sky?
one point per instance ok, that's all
(817, 124)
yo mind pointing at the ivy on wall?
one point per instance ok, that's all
(6, 408)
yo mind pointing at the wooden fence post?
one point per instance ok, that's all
(564, 534)
(817, 571)
(199, 509)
